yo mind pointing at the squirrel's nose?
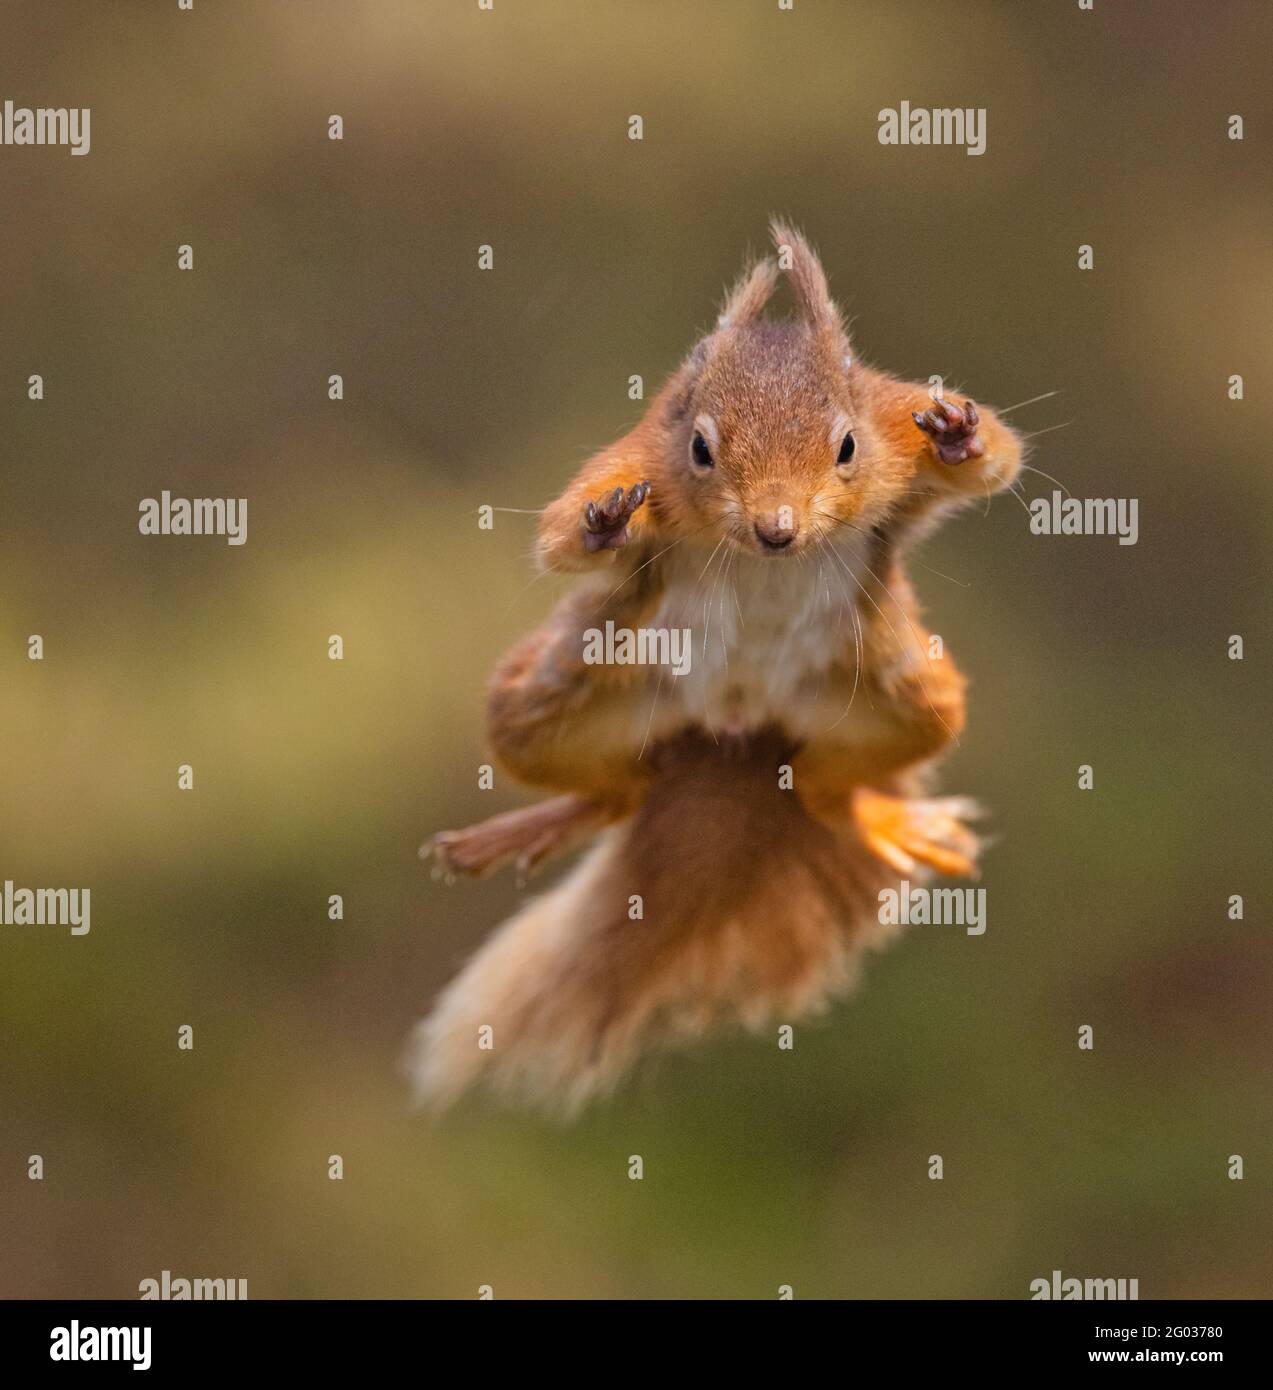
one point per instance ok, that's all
(776, 530)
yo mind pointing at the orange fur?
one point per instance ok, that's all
(757, 901)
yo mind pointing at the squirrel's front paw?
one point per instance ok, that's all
(605, 523)
(951, 432)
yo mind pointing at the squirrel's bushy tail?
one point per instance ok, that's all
(719, 902)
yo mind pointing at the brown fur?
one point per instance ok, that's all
(756, 901)
(752, 912)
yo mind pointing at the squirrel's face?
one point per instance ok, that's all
(777, 454)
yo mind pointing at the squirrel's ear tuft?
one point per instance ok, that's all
(749, 296)
(808, 279)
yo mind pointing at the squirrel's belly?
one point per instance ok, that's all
(760, 646)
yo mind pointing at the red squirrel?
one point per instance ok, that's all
(749, 811)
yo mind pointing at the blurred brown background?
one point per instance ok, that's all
(462, 388)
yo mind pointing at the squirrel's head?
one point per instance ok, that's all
(775, 449)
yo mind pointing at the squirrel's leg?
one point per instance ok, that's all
(558, 722)
(554, 720)
(960, 448)
(600, 514)
(864, 730)
(529, 834)
(836, 783)
(914, 703)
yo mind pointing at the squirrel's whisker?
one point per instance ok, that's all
(649, 723)
(839, 521)
(900, 647)
(1046, 396)
(521, 593)
(710, 558)
(1012, 488)
(1036, 433)
(857, 647)
(654, 557)
(1031, 468)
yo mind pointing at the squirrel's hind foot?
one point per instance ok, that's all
(907, 832)
(528, 835)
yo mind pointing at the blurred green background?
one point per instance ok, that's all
(315, 777)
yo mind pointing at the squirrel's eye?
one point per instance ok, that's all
(699, 451)
(846, 449)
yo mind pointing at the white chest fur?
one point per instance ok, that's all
(764, 629)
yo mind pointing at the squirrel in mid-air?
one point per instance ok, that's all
(749, 810)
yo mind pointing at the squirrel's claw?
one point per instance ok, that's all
(605, 523)
(952, 432)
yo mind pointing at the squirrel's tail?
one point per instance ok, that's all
(721, 901)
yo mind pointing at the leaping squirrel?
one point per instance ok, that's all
(749, 811)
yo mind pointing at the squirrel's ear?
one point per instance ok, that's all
(808, 279)
(749, 296)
